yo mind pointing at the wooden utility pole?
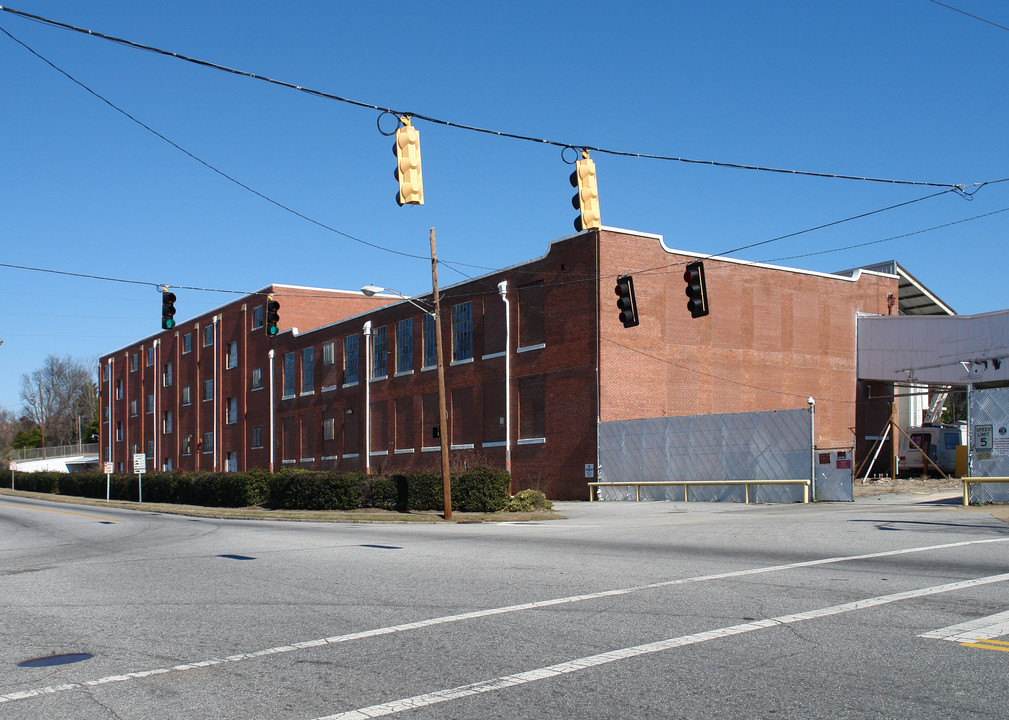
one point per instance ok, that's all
(446, 476)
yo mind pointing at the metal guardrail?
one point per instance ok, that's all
(687, 484)
(968, 480)
(57, 451)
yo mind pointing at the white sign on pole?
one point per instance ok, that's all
(139, 463)
(109, 468)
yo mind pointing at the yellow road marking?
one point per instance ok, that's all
(62, 512)
(988, 645)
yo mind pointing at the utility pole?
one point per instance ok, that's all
(446, 476)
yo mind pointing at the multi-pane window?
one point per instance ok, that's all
(134, 362)
(328, 353)
(350, 359)
(187, 343)
(232, 359)
(430, 342)
(329, 428)
(119, 389)
(150, 449)
(119, 432)
(105, 414)
(231, 465)
(462, 331)
(106, 372)
(208, 335)
(257, 317)
(208, 442)
(257, 436)
(166, 375)
(404, 345)
(289, 371)
(208, 389)
(187, 395)
(231, 416)
(187, 445)
(257, 378)
(167, 425)
(133, 407)
(379, 353)
(308, 370)
(150, 356)
(149, 407)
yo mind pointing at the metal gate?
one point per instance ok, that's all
(769, 445)
(834, 475)
(989, 443)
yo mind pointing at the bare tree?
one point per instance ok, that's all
(58, 395)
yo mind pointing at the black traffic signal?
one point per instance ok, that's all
(407, 150)
(272, 316)
(586, 200)
(697, 291)
(625, 301)
(167, 309)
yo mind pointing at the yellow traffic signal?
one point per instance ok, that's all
(407, 149)
(586, 200)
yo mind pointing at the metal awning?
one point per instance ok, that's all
(913, 298)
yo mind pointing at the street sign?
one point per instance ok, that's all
(139, 463)
(109, 468)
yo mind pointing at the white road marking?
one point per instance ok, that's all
(476, 614)
(572, 666)
(984, 628)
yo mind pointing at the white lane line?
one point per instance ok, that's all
(477, 614)
(590, 661)
(985, 628)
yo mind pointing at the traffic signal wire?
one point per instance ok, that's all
(471, 128)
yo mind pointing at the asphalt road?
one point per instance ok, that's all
(883, 608)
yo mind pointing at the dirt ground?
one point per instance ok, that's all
(931, 489)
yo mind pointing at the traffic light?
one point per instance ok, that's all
(272, 316)
(697, 291)
(167, 309)
(586, 200)
(407, 150)
(625, 301)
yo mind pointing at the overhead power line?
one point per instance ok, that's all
(463, 126)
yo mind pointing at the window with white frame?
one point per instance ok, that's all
(119, 389)
(187, 395)
(149, 407)
(208, 390)
(257, 317)
(462, 332)
(150, 449)
(232, 462)
(328, 353)
(208, 335)
(166, 375)
(379, 353)
(231, 415)
(187, 343)
(404, 345)
(257, 436)
(289, 370)
(350, 359)
(208, 443)
(119, 431)
(133, 407)
(187, 445)
(308, 370)
(134, 362)
(150, 356)
(257, 378)
(167, 422)
(329, 429)
(232, 359)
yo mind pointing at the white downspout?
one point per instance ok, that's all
(271, 410)
(157, 387)
(367, 397)
(502, 288)
(111, 425)
(215, 392)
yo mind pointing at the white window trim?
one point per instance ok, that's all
(379, 377)
(431, 448)
(375, 453)
(428, 367)
(493, 355)
(498, 443)
(528, 348)
(330, 457)
(330, 388)
(351, 384)
(531, 441)
(460, 362)
(307, 460)
(288, 462)
(464, 446)
(352, 455)
(406, 451)
(404, 373)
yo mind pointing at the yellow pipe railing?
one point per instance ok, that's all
(968, 480)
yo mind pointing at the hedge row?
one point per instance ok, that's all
(479, 489)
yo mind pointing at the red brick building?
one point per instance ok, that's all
(350, 382)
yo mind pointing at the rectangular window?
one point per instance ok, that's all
(150, 356)
(379, 353)
(531, 315)
(328, 353)
(404, 423)
(167, 425)
(119, 389)
(430, 346)
(150, 449)
(106, 372)
(208, 443)
(308, 370)
(208, 335)
(231, 414)
(532, 408)
(350, 360)
(187, 445)
(134, 362)
(149, 406)
(232, 462)
(257, 436)
(167, 465)
(119, 432)
(105, 414)
(232, 359)
(167, 377)
(257, 378)
(404, 346)
(329, 429)
(133, 407)
(208, 390)
(462, 331)
(187, 343)
(289, 370)
(187, 395)
(257, 317)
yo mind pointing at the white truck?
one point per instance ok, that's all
(936, 440)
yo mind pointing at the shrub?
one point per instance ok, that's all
(481, 489)
(528, 501)
(301, 490)
(423, 489)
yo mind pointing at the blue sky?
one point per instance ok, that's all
(904, 89)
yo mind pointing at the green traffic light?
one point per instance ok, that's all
(272, 330)
(169, 323)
